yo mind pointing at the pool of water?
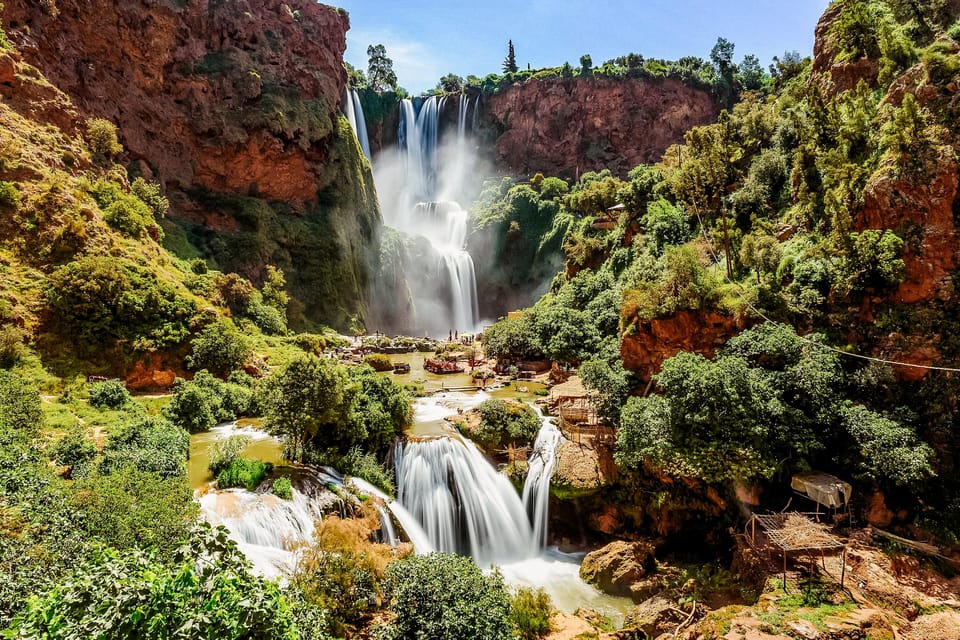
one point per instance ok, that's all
(262, 446)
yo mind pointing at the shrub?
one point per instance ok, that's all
(132, 508)
(504, 421)
(208, 590)
(129, 215)
(282, 488)
(310, 342)
(193, 407)
(447, 596)
(11, 345)
(102, 137)
(530, 613)
(149, 444)
(73, 450)
(111, 394)
(365, 466)
(149, 193)
(378, 361)
(224, 452)
(242, 472)
(219, 348)
(9, 195)
(268, 319)
(19, 403)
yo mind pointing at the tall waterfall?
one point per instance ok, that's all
(354, 112)
(446, 299)
(465, 506)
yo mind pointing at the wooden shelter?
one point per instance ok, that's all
(793, 534)
(577, 408)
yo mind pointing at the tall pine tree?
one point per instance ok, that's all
(510, 63)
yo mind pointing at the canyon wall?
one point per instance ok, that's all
(234, 108)
(566, 127)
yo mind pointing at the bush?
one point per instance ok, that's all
(130, 216)
(282, 488)
(111, 394)
(219, 348)
(447, 596)
(9, 195)
(268, 319)
(503, 422)
(19, 404)
(207, 591)
(12, 348)
(131, 508)
(224, 452)
(530, 613)
(310, 342)
(102, 137)
(378, 361)
(73, 450)
(149, 193)
(193, 407)
(149, 444)
(242, 472)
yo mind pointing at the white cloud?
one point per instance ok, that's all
(413, 61)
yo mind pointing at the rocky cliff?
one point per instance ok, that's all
(569, 126)
(233, 107)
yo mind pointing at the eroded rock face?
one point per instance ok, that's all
(233, 107)
(570, 126)
(656, 340)
(196, 90)
(836, 77)
(615, 568)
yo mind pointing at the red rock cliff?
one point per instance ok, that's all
(569, 126)
(234, 107)
(201, 92)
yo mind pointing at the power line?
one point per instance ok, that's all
(746, 301)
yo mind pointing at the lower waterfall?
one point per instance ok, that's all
(465, 506)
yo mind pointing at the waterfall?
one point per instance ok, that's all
(465, 506)
(445, 299)
(461, 501)
(462, 117)
(269, 529)
(354, 112)
(415, 533)
(536, 488)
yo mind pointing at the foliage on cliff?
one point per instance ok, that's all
(828, 207)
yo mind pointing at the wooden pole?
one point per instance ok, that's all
(843, 565)
(784, 570)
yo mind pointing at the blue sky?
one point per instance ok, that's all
(427, 40)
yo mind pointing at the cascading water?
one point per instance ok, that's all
(536, 488)
(461, 501)
(268, 529)
(354, 112)
(446, 299)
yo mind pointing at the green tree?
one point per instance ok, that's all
(111, 394)
(511, 339)
(380, 74)
(750, 73)
(307, 395)
(219, 348)
(447, 597)
(451, 83)
(761, 252)
(586, 65)
(510, 62)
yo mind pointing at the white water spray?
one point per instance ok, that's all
(536, 488)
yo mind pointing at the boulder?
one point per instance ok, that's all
(654, 616)
(615, 568)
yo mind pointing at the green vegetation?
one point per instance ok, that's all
(205, 401)
(111, 394)
(223, 452)
(530, 613)
(242, 472)
(504, 422)
(447, 596)
(378, 362)
(380, 74)
(316, 404)
(208, 588)
(282, 489)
